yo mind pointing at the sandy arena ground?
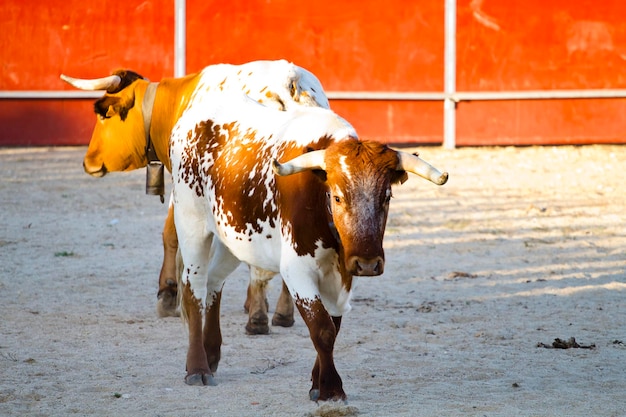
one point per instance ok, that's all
(522, 246)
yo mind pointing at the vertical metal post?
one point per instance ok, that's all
(449, 105)
(180, 38)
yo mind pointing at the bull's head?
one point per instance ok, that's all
(118, 140)
(359, 176)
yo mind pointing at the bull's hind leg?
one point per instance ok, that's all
(257, 301)
(222, 264)
(283, 316)
(256, 304)
(206, 265)
(167, 296)
(249, 297)
(323, 329)
(198, 372)
(196, 255)
(205, 342)
(212, 331)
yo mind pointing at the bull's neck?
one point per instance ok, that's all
(171, 97)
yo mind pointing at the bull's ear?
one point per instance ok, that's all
(321, 174)
(111, 111)
(103, 105)
(109, 106)
(126, 103)
(399, 177)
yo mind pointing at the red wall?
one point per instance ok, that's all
(350, 45)
(82, 38)
(541, 45)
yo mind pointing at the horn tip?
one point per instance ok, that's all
(442, 179)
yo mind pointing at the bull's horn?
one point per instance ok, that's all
(416, 165)
(304, 162)
(107, 83)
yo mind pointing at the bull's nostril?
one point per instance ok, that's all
(368, 267)
(365, 266)
(378, 269)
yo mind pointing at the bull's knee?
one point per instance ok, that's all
(326, 339)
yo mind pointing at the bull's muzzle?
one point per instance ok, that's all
(366, 267)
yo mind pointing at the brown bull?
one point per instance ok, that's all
(291, 192)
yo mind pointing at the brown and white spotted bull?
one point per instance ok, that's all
(317, 217)
(133, 110)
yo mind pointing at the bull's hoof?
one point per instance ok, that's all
(200, 379)
(282, 320)
(257, 326)
(166, 304)
(315, 395)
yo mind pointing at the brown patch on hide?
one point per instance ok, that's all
(303, 203)
(230, 161)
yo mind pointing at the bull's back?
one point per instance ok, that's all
(279, 84)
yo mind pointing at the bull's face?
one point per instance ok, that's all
(118, 141)
(359, 176)
(359, 179)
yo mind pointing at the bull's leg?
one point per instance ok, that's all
(246, 304)
(212, 331)
(251, 294)
(326, 382)
(283, 316)
(257, 301)
(198, 372)
(222, 263)
(196, 250)
(315, 374)
(168, 287)
(256, 305)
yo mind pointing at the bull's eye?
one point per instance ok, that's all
(337, 200)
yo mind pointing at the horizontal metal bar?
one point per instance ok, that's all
(371, 95)
(384, 95)
(44, 95)
(477, 95)
(538, 94)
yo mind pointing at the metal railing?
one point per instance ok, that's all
(369, 95)
(449, 96)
